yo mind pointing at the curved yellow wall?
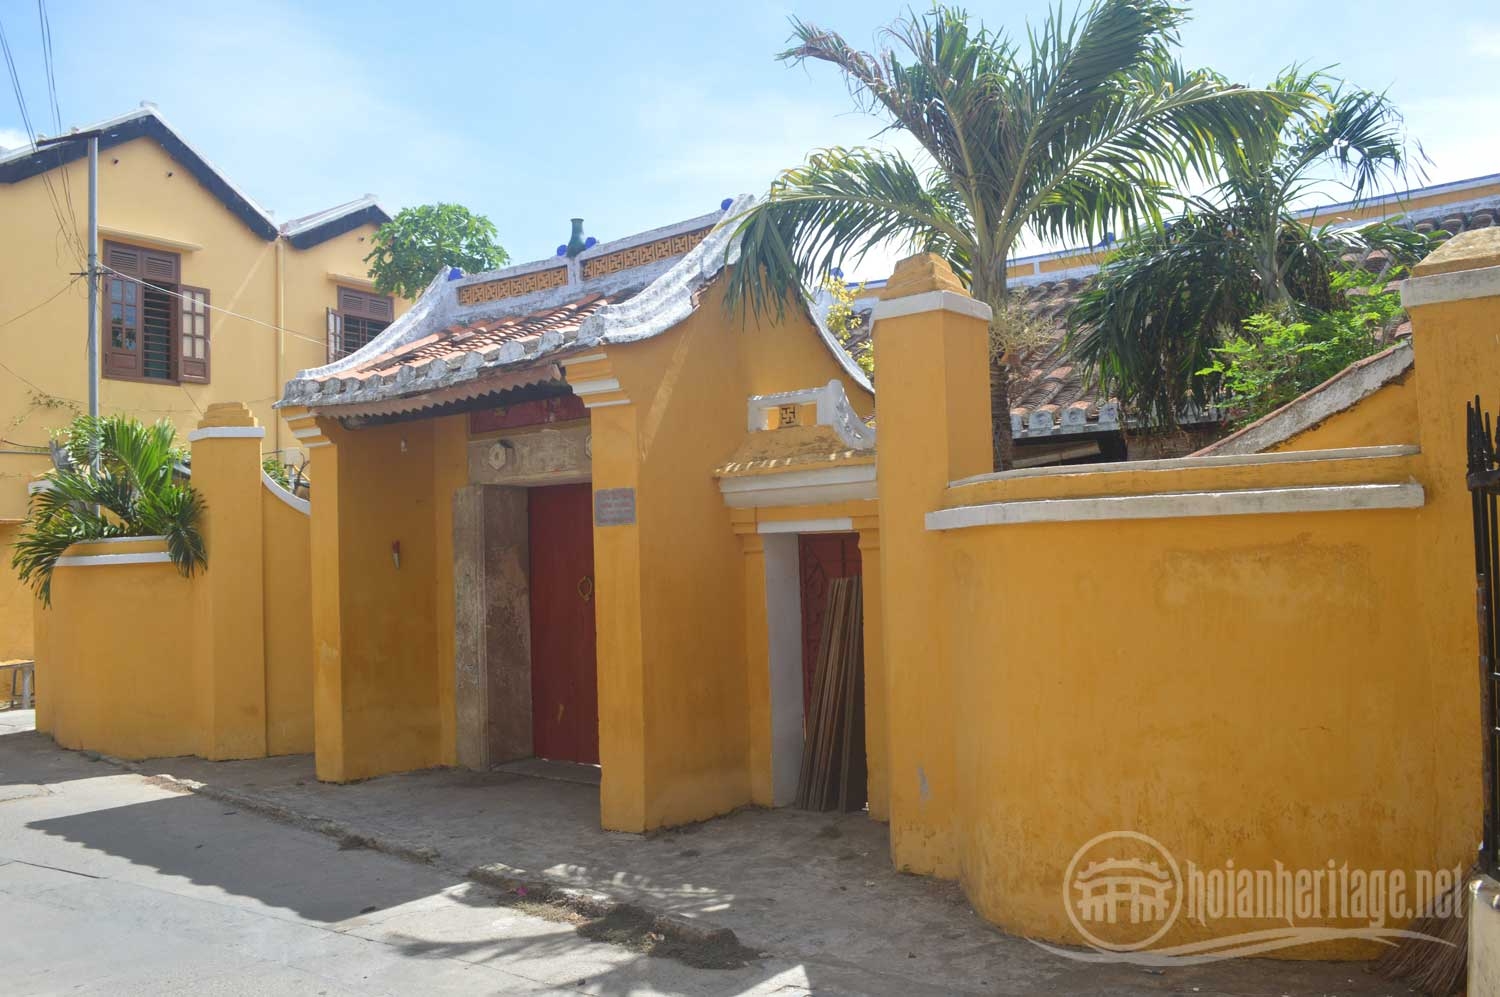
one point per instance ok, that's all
(287, 561)
(115, 666)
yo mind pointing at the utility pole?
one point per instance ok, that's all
(93, 276)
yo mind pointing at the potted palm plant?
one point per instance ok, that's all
(115, 477)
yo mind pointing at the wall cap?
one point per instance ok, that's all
(227, 433)
(1459, 285)
(302, 505)
(1182, 505)
(1188, 463)
(932, 301)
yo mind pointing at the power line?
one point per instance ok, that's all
(106, 268)
(49, 63)
(71, 234)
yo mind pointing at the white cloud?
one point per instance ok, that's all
(12, 138)
(1485, 42)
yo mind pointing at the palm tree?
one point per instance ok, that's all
(1087, 123)
(117, 478)
(1150, 322)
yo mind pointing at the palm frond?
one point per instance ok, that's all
(834, 209)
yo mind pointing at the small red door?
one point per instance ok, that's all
(564, 677)
(822, 557)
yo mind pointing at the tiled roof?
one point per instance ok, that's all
(452, 345)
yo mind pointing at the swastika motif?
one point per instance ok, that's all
(639, 256)
(513, 287)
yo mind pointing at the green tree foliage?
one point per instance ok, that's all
(1278, 357)
(1085, 122)
(410, 249)
(121, 480)
(843, 322)
(1147, 327)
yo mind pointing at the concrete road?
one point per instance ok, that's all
(115, 884)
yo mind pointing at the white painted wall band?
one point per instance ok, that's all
(839, 524)
(1182, 505)
(104, 560)
(227, 433)
(932, 301)
(1462, 285)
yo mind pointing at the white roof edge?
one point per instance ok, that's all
(149, 110)
(299, 225)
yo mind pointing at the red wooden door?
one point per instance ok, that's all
(564, 674)
(821, 558)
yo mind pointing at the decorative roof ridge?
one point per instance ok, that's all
(1339, 393)
(665, 292)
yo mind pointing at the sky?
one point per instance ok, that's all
(629, 115)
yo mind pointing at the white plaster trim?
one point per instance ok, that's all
(931, 301)
(227, 433)
(590, 358)
(617, 401)
(1188, 463)
(152, 241)
(104, 560)
(598, 386)
(814, 486)
(1182, 505)
(1461, 285)
(784, 663)
(302, 505)
(307, 434)
(837, 524)
(124, 540)
(322, 443)
(44, 485)
(1341, 392)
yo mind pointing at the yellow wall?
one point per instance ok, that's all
(675, 745)
(137, 660)
(1267, 688)
(383, 633)
(287, 572)
(15, 604)
(147, 198)
(122, 682)
(1389, 415)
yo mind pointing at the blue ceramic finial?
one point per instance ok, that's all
(724, 204)
(454, 273)
(562, 250)
(590, 242)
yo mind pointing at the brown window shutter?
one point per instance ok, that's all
(160, 268)
(362, 305)
(335, 335)
(193, 341)
(121, 333)
(123, 259)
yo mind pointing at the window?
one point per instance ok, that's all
(155, 327)
(359, 318)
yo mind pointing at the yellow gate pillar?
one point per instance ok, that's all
(229, 670)
(931, 347)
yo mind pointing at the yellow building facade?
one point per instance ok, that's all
(572, 510)
(204, 298)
